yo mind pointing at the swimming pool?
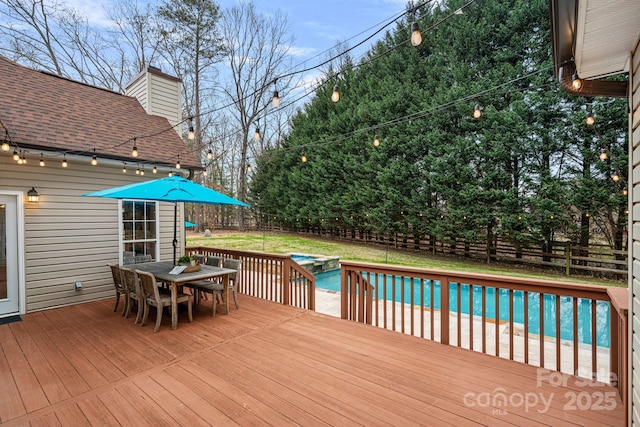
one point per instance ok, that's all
(330, 280)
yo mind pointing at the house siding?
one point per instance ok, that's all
(159, 96)
(634, 286)
(71, 238)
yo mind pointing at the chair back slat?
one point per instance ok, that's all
(214, 261)
(148, 285)
(234, 264)
(116, 273)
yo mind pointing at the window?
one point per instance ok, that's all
(139, 229)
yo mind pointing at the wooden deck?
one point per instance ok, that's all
(268, 364)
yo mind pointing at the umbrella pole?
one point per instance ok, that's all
(175, 231)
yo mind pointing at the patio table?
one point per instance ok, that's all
(161, 271)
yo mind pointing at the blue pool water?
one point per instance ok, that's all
(331, 280)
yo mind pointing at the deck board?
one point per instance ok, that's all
(264, 364)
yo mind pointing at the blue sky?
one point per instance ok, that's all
(316, 25)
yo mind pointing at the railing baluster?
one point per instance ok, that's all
(385, 300)
(594, 339)
(484, 319)
(510, 324)
(459, 313)
(421, 308)
(432, 306)
(471, 316)
(558, 365)
(526, 327)
(541, 329)
(393, 299)
(402, 304)
(497, 319)
(575, 335)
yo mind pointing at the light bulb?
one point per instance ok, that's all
(576, 82)
(64, 161)
(94, 160)
(376, 141)
(590, 120)
(16, 157)
(275, 102)
(249, 170)
(335, 95)
(134, 151)
(615, 177)
(41, 160)
(138, 171)
(191, 135)
(477, 112)
(142, 171)
(603, 156)
(24, 158)
(204, 172)
(256, 136)
(19, 160)
(5, 146)
(416, 37)
(209, 154)
(155, 169)
(124, 168)
(178, 164)
(303, 158)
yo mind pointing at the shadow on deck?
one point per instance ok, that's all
(269, 364)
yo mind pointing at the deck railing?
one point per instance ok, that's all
(497, 315)
(272, 277)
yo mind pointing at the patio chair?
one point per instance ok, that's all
(151, 296)
(216, 288)
(117, 283)
(132, 292)
(212, 286)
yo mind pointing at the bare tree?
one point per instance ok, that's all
(257, 48)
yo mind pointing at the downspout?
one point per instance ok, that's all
(606, 88)
(563, 24)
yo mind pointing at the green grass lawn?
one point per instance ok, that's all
(291, 243)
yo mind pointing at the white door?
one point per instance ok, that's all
(9, 252)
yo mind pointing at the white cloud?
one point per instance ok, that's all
(299, 51)
(94, 10)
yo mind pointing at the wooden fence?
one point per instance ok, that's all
(573, 328)
(595, 260)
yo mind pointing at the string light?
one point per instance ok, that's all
(20, 158)
(256, 135)
(376, 141)
(178, 162)
(155, 169)
(16, 157)
(303, 157)
(477, 112)
(335, 95)
(41, 160)
(64, 161)
(590, 120)
(249, 169)
(24, 157)
(138, 171)
(134, 150)
(191, 135)
(275, 101)
(416, 36)
(615, 177)
(94, 159)
(209, 154)
(142, 170)
(124, 168)
(603, 155)
(576, 81)
(5, 146)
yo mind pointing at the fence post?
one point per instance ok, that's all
(567, 255)
(444, 310)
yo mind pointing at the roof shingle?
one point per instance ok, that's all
(47, 112)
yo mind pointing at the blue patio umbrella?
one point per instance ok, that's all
(189, 224)
(172, 189)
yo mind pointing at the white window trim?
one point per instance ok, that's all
(120, 228)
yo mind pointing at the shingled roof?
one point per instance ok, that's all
(45, 112)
